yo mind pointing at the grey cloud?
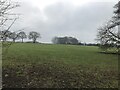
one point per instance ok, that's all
(66, 19)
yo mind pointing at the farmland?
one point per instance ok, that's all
(58, 66)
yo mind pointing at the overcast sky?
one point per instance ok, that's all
(76, 18)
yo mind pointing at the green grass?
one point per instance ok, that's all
(80, 63)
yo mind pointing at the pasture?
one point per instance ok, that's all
(58, 66)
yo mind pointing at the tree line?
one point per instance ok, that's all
(7, 35)
(71, 41)
(65, 40)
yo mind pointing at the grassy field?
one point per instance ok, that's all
(58, 66)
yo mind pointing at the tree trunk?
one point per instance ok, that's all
(34, 40)
(22, 40)
(13, 40)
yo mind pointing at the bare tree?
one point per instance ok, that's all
(5, 7)
(108, 35)
(7, 20)
(4, 35)
(6, 16)
(34, 35)
(14, 36)
(22, 35)
(117, 11)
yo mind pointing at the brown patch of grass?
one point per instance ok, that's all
(49, 76)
